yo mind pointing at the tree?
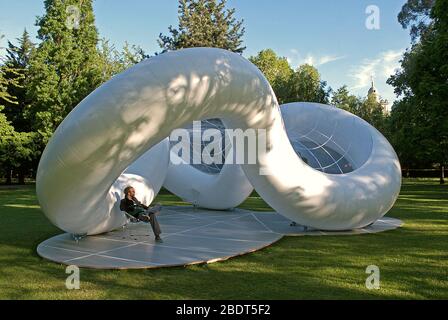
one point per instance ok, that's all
(17, 149)
(16, 71)
(408, 136)
(277, 70)
(372, 111)
(66, 66)
(343, 99)
(306, 85)
(113, 61)
(422, 84)
(5, 96)
(131, 55)
(204, 23)
(6, 130)
(415, 15)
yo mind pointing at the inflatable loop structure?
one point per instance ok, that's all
(136, 110)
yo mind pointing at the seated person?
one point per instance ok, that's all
(135, 208)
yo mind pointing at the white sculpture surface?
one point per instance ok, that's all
(137, 109)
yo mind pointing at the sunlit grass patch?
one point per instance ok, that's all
(412, 259)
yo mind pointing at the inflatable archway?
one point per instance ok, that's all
(137, 109)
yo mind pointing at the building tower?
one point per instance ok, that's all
(373, 91)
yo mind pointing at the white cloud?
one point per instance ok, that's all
(294, 51)
(381, 68)
(358, 78)
(329, 58)
(308, 60)
(296, 59)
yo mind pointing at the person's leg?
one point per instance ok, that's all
(149, 217)
(144, 217)
(155, 209)
(155, 225)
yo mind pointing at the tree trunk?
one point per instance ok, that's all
(442, 174)
(9, 177)
(21, 177)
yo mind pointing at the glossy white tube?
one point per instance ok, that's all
(138, 108)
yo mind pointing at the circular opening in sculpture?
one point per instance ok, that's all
(198, 143)
(328, 139)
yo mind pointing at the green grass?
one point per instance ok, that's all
(413, 259)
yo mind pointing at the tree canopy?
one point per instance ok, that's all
(16, 67)
(343, 99)
(205, 23)
(422, 84)
(64, 68)
(277, 70)
(302, 84)
(415, 16)
(306, 85)
(40, 84)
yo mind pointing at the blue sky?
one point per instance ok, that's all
(330, 34)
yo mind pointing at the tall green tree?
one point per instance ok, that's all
(6, 131)
(5, 96)
(342, 98)
(371, 109)
(205, 23)
(422, 83)
(18, 150)
(16, 70)
(277, 70)
(306, 85)
(65, 66)
(5, 127)
(408, 136)
(414, 16)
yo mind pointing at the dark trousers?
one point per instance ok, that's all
(148, 216)
(151, 218)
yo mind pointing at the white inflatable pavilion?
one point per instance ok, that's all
(323, 167)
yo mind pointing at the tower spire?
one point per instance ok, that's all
(372, 89)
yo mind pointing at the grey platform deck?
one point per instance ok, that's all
(190, 236)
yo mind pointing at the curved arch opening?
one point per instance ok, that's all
(328, 139)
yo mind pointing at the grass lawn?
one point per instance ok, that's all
(413, 259)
